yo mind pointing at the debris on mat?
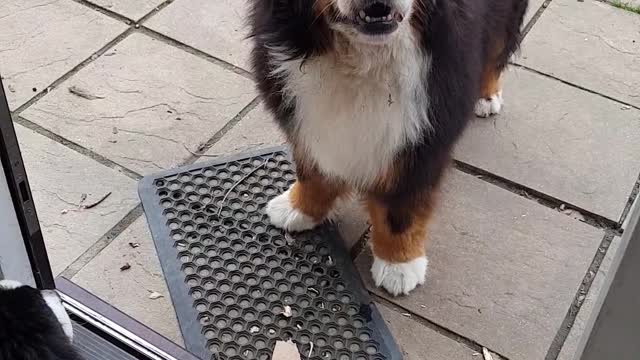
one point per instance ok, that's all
(285, 350)
(287, 311)
(125, 267)
(486, 354)
(155, 295)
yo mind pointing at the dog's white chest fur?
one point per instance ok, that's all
(357, 107)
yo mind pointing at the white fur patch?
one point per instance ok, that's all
(399, 278)
(359, 104)
(284, 216)
(53, 301)
(55, 304)
(491, 106)
(10, 284)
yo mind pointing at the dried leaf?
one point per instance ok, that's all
(134, 245)
(155, 295)
(285, 350)
(124, 267)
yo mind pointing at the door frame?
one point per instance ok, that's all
(24, 258)
(32, 250)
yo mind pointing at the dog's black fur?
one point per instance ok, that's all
(29, 330)
(458, 35)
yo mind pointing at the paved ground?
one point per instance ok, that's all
(106, 91)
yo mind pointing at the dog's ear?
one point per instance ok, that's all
(299, 26)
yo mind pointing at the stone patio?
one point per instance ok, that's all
(104, 92)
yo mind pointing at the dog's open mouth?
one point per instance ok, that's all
(377, 19)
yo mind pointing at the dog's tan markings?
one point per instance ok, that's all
(490, 81)
(315, 196)
(313, 193)
(398, 247)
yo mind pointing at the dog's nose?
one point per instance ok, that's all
(377, 10)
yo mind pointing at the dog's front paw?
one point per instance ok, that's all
(489, 106)
(283, 215)
(399, 278)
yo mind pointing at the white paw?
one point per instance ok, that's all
(284, 216)
(491, 106)
(399, 278)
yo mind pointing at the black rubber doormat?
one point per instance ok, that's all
(239, 284)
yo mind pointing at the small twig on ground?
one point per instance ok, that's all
(199, 154)
(83, 93)
(224, 199)
(92, 205)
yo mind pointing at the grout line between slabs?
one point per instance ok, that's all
(193, 51)
(578, 300)
(535, 18)
(73, 71)
(524, 67)
(543, 199)
(153, 12)
(76, 147)
(203, 148)
(94, 250)
(452, 335)
(112, 14)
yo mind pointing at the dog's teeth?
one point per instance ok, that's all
(388, 17)
(367, 19)
(362, 14)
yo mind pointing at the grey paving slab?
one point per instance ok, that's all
(130, 290)
(418, 342)
(589, 43)
(562, 141)
(572, 342)
(148, 100)
(503, 270)
(215, 27)
(59, 177)
(40, 41)
(133, 9)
